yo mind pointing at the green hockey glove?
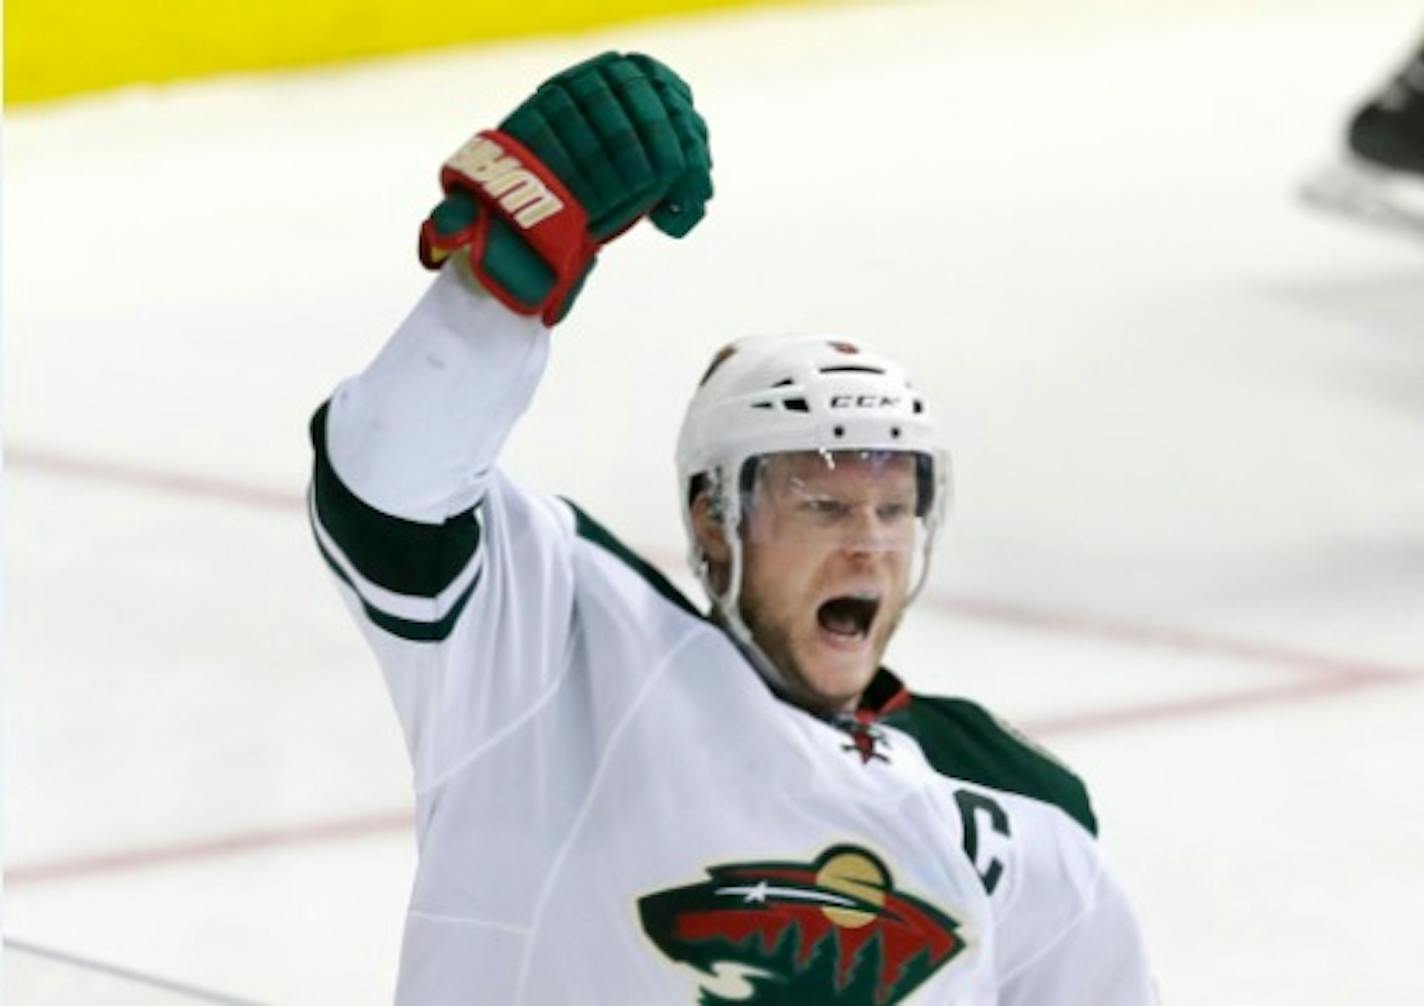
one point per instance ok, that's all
(596, 148)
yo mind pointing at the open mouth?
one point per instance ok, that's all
(848, 616)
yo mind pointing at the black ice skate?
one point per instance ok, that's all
(1381, 177)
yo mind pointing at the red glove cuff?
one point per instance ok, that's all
(513, 184)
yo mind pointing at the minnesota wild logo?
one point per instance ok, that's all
(776, 934)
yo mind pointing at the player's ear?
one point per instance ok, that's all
(711, 538)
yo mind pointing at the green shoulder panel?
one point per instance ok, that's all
(965, 741)
(590, 530)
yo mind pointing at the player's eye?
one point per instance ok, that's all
(825, 507)
(894, 512)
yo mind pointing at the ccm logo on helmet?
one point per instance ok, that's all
(519, 191)
(864, 401)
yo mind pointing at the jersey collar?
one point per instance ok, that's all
(885, 694)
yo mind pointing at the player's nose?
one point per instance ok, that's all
(864, 533)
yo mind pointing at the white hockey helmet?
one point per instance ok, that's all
(766, 395)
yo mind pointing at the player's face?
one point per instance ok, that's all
(829, 542)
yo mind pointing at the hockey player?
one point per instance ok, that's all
(619, 799)
(1381, 179)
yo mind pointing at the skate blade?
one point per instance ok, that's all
(1390, 199)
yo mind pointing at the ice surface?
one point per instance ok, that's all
(1187, 419)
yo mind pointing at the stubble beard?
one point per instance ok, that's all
(776, 645)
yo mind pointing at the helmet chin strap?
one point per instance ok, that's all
(728, 602)
(730, 608)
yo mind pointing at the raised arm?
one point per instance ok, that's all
(433, 548)
(527, 208)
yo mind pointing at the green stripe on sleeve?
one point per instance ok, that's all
(402, 556)
(416, 632)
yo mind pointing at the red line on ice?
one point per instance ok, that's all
(1317, 676)
(73, 466)
(1154, 637)
(980, 609)
(342, 829)
(1194, 707)
(320, 832)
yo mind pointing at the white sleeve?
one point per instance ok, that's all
(460, 581)
(416, 434)
(1096, 959)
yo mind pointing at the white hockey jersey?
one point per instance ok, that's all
(612, 807)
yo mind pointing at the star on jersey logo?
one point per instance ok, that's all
(835, 930)
(754, 895)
